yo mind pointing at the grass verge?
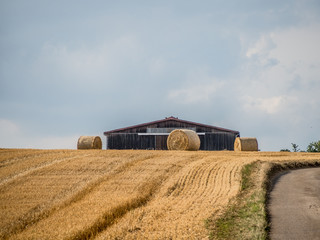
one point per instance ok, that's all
(245, 217)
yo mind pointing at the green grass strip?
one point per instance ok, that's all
(245, 218)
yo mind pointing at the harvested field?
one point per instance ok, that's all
(127, 194)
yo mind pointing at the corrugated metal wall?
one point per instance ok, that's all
(209, 141)
(217, 141)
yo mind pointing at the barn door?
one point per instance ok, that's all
(158, 142)
(161, 142)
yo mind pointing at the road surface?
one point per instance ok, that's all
(294, 205)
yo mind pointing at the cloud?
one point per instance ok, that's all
(195, 93)
(157, 66)
(283, 97)
(285, 62)
(14, 136)
(272, 105)
(54, 142)
(8, 128)
(87, 63)
(199, 86)
(262, 47)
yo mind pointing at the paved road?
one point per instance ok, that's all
(294, 205)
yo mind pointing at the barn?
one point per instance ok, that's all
(153, 135)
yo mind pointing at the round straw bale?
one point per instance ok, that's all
(245, 144)
(183, 139)
(89, 142)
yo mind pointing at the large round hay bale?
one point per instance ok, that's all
(245, 144)
(89, 142)
(183, 139)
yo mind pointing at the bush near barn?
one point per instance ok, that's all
(314, 147)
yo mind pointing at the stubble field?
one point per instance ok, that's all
(127, 194)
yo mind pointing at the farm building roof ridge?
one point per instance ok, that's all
(170, 119)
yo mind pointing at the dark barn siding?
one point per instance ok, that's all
(209, 141)
(217, 141)
(130, 141)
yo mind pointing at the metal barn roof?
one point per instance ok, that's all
(170, 119)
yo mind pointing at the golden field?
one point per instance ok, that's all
(120, 194)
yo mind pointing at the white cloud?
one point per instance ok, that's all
(10, 133)
(285, 62)
(262, 47)
(283, 97)
(85, 63)
(199, 86)
(157, 66)
(296, 50)
(297, 46)
(272, 105)
(195, 93)
(13, 136)
(53, 142)
(8, 128)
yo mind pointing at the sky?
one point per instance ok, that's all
(73, 67)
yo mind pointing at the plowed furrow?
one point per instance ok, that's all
(32, 169)
(181, 183)
(190, 179)
(25, 158)
(9, 156)
(208, 186)
(22, 164)
(198, 186)
(224, 184)
(209, 176)
(235, 178)
(217, 183)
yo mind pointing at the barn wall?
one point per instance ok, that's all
(130, 141)
(217, 141)
(209, 141)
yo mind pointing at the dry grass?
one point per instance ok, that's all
(109, 194)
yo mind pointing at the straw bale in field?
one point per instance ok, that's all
(245, 144)
(183, 139)
(89, 142)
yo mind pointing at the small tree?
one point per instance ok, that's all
(285, 150)
(314, 147)
(295, 147)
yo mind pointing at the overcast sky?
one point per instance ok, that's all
(72, 67)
